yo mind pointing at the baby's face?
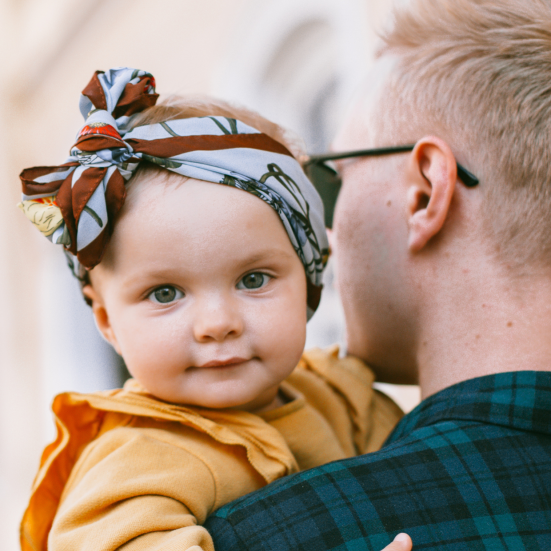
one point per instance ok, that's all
(203, 295)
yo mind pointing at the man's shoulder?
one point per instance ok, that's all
(468, 475)
(393, 470)
(454, 481)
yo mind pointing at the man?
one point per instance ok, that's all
(446, 283)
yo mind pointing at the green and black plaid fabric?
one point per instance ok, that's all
(469, 469)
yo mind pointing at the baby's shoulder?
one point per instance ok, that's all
(340, 372)
(341, 389)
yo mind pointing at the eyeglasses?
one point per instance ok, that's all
(328, 181)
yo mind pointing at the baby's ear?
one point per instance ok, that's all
(101, 316)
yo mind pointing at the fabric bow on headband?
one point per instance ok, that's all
(75, 204)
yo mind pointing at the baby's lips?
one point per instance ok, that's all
(226, 362)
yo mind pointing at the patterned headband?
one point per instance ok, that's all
(75, 204)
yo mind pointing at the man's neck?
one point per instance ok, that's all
(486, 329)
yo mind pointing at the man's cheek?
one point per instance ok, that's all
(347, 219)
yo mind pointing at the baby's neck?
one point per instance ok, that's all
(280, 399)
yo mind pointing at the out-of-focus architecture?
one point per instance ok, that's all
(296, 61)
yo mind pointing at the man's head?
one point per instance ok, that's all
(469, 81)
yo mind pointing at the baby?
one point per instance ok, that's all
(200, 246)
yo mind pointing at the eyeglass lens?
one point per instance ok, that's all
(328, 184)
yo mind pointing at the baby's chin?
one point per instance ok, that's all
(244, 399)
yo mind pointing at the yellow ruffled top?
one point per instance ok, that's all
(128, 469)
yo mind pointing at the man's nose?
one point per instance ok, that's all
(216, 319)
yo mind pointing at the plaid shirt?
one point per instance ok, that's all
(468, 469)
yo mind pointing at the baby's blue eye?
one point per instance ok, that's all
(165, 295)
(256, 280)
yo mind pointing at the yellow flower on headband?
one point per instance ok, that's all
(43, 213)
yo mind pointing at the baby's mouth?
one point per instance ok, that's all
(227, 362)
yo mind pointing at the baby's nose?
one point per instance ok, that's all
(217, 319)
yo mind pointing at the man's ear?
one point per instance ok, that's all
(432, 175)
(101, 316)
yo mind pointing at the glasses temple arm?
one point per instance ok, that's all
(467, 177)
(359, 153)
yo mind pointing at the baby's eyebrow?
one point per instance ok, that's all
(264, 255)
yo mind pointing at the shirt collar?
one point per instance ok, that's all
(519, 400)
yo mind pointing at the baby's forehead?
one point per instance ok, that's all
(162, 190)
(150, 181)
(165, 214)
(194, 234)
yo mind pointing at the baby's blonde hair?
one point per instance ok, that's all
(479, 72)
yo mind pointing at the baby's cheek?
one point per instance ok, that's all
(144, 346)
(284, 332)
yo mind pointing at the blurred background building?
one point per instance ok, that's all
(296, 61)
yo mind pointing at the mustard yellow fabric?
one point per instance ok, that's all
(130, 472)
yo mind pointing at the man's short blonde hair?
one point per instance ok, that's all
(478, 72)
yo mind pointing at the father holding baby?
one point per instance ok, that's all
(446, 283)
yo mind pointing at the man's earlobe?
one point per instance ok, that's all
(101, 316)
(432, 175)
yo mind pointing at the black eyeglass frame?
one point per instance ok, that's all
(330, 191)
